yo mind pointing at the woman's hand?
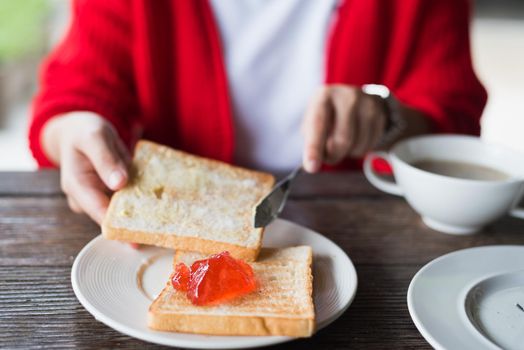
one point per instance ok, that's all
(341, 121)
(93, 160)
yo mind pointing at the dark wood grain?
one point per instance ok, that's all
(39, 308)
(41, 183)
(47, 183)
(40, 237)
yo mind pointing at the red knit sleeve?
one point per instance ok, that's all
(91, 70)
(435, 75)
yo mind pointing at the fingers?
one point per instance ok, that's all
(344, 134)
(317, 123)
(84, 190)
(94, 202)
(343, 121)
(73, 205)
(93, 161)
(105, 151)
(123, 152)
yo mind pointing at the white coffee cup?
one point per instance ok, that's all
(449, 204)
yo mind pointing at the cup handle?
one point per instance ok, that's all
(517, 213)
(381, 184)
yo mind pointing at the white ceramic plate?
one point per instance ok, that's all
(494, 307)
(116, 284)
(447, 297)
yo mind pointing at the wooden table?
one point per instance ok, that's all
(40, 237)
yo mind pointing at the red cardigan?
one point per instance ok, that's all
(155, 68)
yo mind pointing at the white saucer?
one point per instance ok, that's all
(445, 304)
(116, 284)
(494, 307)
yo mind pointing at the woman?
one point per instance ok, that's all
(234, 80)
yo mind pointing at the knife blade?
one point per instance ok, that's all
(271, 206)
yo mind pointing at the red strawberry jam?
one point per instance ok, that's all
(180, 278)
(215, 280)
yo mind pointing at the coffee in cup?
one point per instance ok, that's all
(457, 183)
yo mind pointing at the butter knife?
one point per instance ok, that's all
(271, 206)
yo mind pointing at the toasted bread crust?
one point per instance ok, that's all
(192, 244)
(230, 325)
(265, 178)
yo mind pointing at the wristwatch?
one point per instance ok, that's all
(395, 124)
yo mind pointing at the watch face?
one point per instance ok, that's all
(376, 89)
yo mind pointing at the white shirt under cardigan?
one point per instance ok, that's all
(274, 55)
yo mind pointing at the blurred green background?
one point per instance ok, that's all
(21, 23)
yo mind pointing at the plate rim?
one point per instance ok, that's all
(149, 337)
(411, 308)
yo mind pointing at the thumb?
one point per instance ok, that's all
(102, 152)
(316, 126)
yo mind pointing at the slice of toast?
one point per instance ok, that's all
(177, 200)
(281, 305)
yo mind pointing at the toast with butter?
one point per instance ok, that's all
(181, 201)
(281, 305)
